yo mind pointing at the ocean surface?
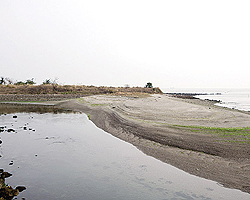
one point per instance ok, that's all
(231, 98)
(65, 156)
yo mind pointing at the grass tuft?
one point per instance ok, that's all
(233, 134)
(98, 105)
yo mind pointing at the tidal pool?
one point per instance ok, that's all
(65, 156)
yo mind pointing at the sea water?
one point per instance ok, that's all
(231, 98)
(65, 156)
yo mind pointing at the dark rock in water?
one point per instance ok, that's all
(20, 188)
(6, 191)
(14, 116)
(1, 141)
(10, 130)
(5, 174)
(24, 128)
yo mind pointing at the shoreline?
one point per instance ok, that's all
(162, 126)
(192, 152)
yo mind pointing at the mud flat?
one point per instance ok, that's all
(191, 134)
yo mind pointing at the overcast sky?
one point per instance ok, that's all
(178, 43)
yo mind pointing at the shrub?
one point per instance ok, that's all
(149, 85)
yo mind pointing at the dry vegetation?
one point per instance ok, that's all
(72, 89)
(58, 92)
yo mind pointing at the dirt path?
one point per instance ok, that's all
(172, 130)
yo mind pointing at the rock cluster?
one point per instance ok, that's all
(6, 191)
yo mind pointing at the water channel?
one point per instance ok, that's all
(63, 155)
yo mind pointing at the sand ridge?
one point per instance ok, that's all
(169, 110)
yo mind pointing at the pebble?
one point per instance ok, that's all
(10, 130)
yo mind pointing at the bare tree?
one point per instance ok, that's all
(9, 81)
(2, 81)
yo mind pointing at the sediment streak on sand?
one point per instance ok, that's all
(149, 124)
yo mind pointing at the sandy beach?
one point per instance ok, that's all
(178, 132)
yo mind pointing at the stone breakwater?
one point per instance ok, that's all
(191, 96)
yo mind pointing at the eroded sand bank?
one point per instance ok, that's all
(171, 129)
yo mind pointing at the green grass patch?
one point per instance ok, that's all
(234, 129)
(234, 134)
(98, 104)
(81, 100)
(236, 141)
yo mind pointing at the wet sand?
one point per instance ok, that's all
(170, 129)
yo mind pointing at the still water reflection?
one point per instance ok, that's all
(65, 156)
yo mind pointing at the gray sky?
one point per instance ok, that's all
(176, 43)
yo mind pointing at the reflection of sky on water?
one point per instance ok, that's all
(67, 157)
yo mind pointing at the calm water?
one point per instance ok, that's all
(65, 156)
(230, 98)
